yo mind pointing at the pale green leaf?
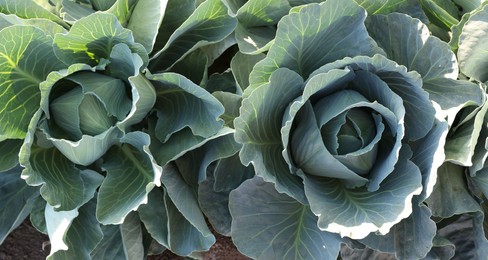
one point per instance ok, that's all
(145, 20)
(48, 26)
(28, 9)
(26, 58)
(472, 52)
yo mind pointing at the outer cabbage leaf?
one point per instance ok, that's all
(89, 40)
(258, 130)
(151, 12)
(131, 165)
(408, 42)
(48, 26)
(75, 233)
(299, 36)
(16, 201)
(10, 157)
(26, 58)
(29, 9)
(272, 225)
(184, 104)
(241, 66)
(256, 24)
(209, 23)
(472, 48)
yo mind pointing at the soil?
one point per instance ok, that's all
(27, 243)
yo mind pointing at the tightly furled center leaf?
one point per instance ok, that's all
(357, 129)
(94, 105)
(94, 118)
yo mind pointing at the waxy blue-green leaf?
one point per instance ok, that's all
(110, 247)
(155, 217)
(442, 249)
(184, 104)
(28, 9)
(132, 237)
(130, 165)
(10, 157)
(258, 130)
(188, 231)
(412, 238)
(232, 103)
(47, 26)
(336, 24)
(209, 23)
(90, 39)
(241, 66)
(26, 58)
(271, 225)
(62, 185)
(358, 212)
(194, 164)
(75, 233)
(472, 52)
(465, 140)
(407, 85)
(428, 155)
(256, 24)
(81, 235)
(213, 193)
(408, 42)
(451, 195)
(16, 201)
(467, 235)
(215, 205)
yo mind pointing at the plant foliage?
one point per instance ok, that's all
(301, 129)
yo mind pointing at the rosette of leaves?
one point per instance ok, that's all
(345, 125)
(88, 119)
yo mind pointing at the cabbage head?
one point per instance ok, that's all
(345, 127)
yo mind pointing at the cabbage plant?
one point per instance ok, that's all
(345, 125)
